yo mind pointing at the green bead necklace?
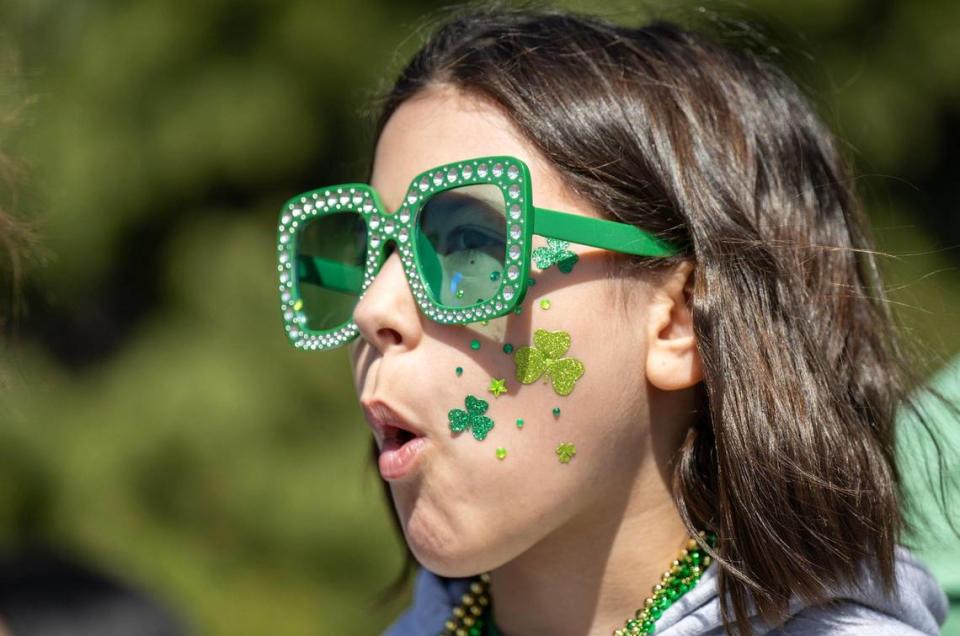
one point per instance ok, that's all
(474, 615)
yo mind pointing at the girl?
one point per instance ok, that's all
(617, 329)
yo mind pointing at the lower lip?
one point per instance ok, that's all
(397, 461)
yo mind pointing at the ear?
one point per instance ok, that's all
(673, 361)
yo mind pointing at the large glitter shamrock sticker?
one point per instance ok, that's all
(545, 358)
(473, 418)
(557, 252)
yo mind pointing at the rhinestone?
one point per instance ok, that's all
(374, 240)
(452, 175)
(497, 169)
(367, 206)
(513, 191)
(404, 235)
(389, 226)
(514, 252)
(482, 170)
(515, 211)
(499, 305)
(512, 272)
(344, 198)
(284, 257)
(284, 238)
(374, 221)
(404, 215)
(466, 172)
(294, 333)
(284, 277)
(513, 172)
(515, 231)
(285, 297)
(285, 219)
(357, 200)
(412, 197)
(424, 184)
(331, 201)
(437, 178)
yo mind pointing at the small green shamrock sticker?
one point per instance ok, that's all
(545, 358)
(556, 252)
(473, 418)
(565, 451)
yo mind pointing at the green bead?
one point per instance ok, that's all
(556, 411)
(474, 344)
(475, 631)
(633, 624)
(517, 310)
(532, 282)
(519, 423)
(507, 348)
(494, 275)
(459, 371)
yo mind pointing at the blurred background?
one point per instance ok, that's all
(154, 422)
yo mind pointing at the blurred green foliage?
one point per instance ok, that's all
(159, 424)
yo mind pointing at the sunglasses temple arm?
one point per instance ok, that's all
(330, 274)
(609, 235)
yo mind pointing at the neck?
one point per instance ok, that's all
(590, 575)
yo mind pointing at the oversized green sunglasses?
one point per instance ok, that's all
(463, 233)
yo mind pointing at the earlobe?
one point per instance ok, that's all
(673, 360)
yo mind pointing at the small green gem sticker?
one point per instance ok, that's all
(566, 451)
(474, 344)
(508, 348)
(545, 304)
(497, 386)
(532, 281)
(517, 309)
(298, 305)
(556, 411)
(519, 423)
(459, 293)
(501, 453)
(494, 275)
(459, 371)
(484, 322)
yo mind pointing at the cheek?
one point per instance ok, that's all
(476, 509)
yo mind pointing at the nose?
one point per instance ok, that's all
(387, 315)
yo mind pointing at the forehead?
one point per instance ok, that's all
(442, 125)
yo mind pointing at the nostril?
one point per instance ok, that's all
(391, 336)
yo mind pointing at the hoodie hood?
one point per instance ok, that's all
(918, 607)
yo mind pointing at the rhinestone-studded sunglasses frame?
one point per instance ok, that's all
(509, 174)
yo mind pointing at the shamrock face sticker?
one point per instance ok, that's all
(556, 252)
(545, 358)
(473, 418)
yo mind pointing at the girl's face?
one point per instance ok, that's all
(464, 509)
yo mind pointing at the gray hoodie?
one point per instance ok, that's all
(920, 608)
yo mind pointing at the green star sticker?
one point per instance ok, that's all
(566, 450)
(497, 386)
(473, 418)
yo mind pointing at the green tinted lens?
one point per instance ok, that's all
(330, 258)
(461, 244)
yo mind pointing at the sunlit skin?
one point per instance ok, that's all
(571, 548)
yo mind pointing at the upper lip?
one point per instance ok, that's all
(383, 419)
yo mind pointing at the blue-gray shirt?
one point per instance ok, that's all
(919, 607)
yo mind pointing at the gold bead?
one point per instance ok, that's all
(657, 588)
(462, 632)
(467, 600)
(675, 563)
(485, 577)
(459, 612)
(667, 575)
(468, 621)
(483, 600)
(684, 553)
(692, 544)
(475, 610)
(706, 561)
(450, 626)
(648, 603)
(476, 588)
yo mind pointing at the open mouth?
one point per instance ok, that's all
(396, 437)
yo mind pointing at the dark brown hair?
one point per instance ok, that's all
(792, 460)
